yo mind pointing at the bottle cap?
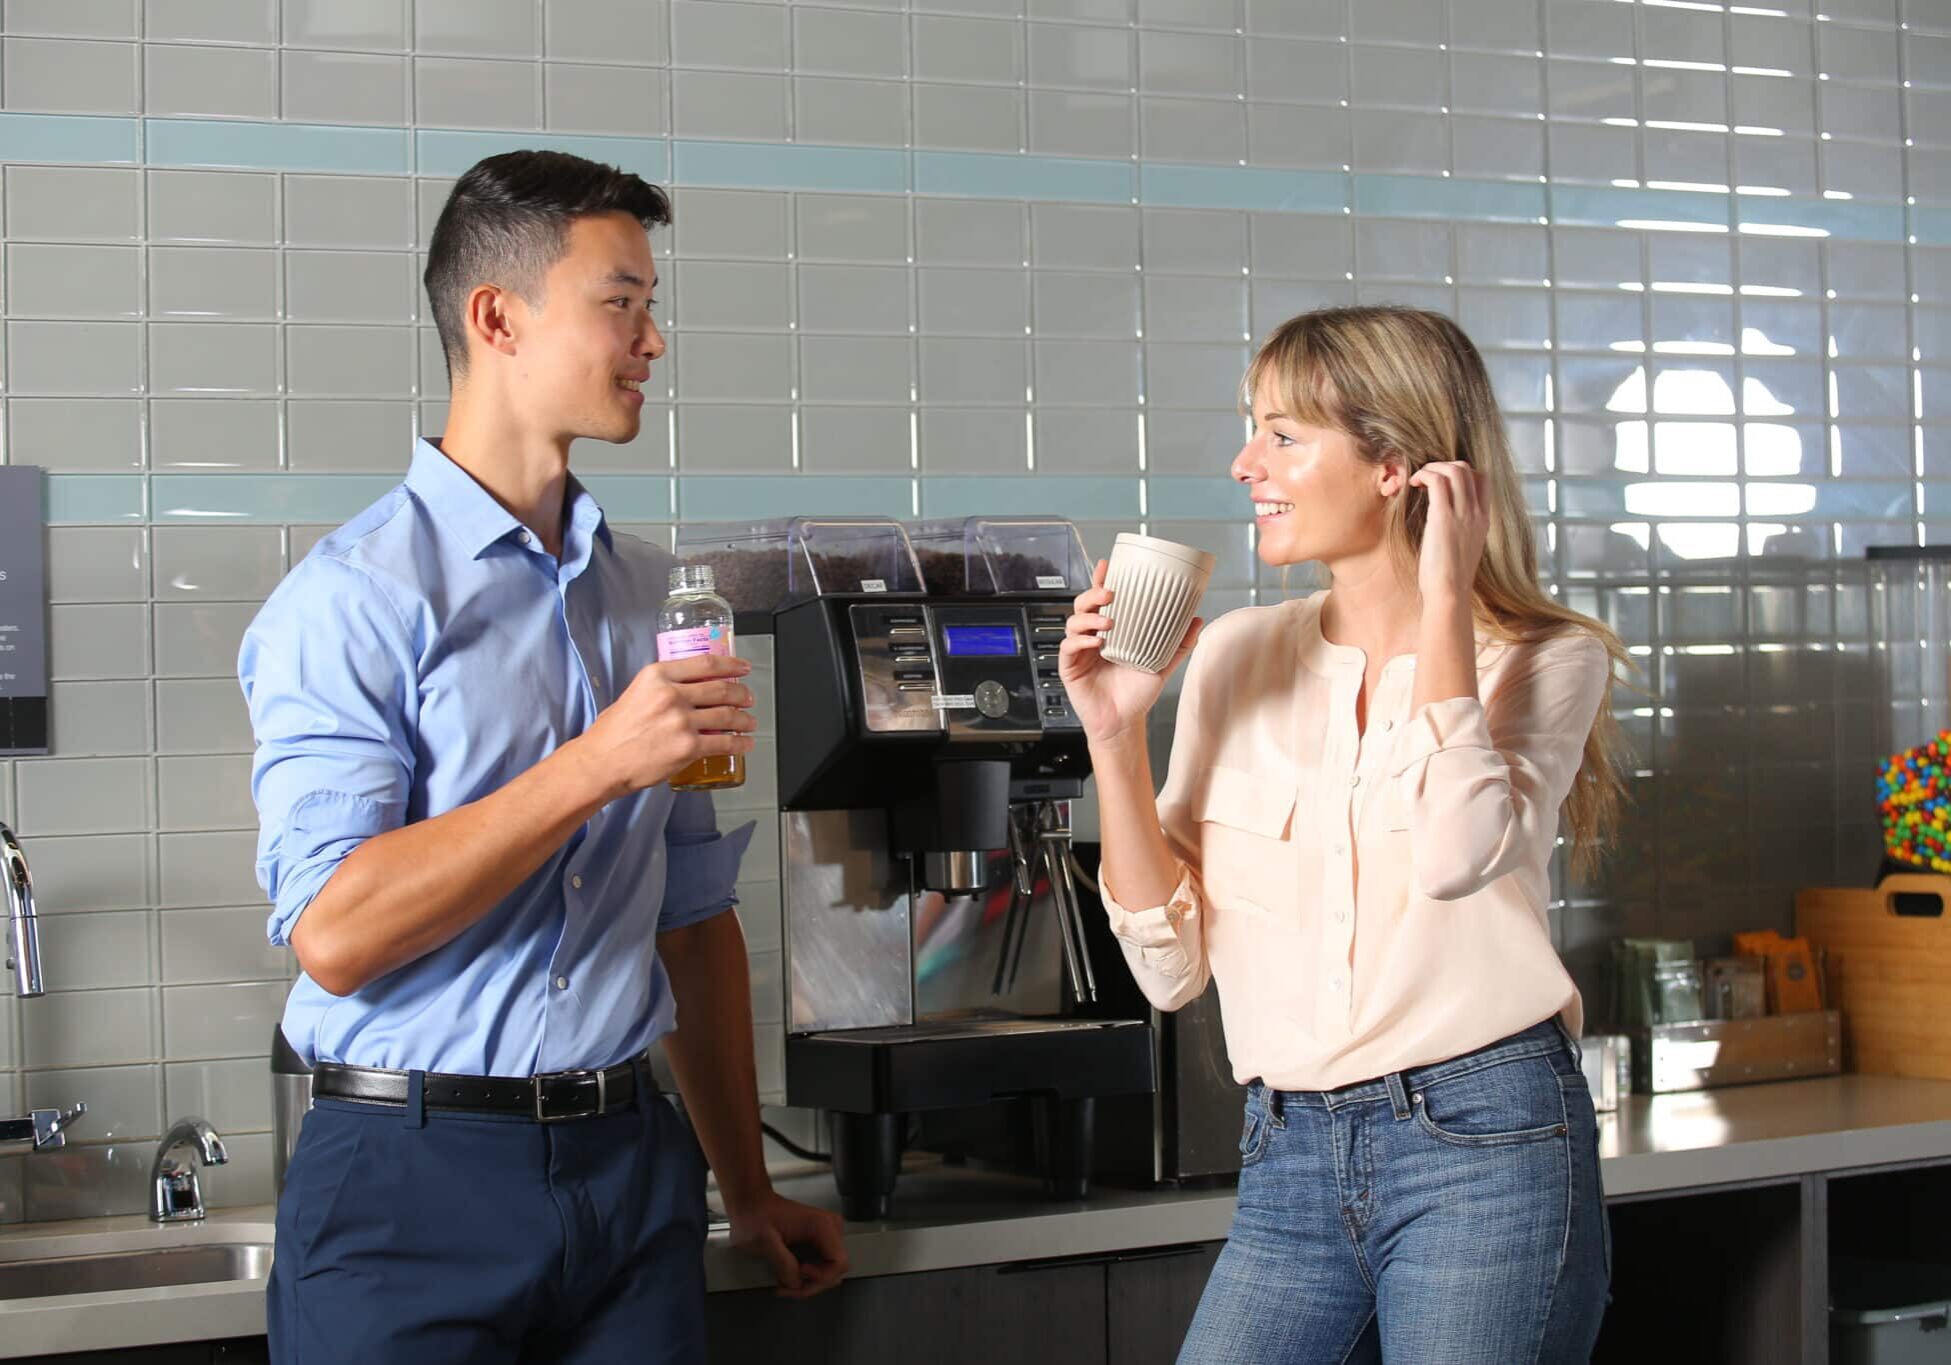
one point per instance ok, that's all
(693, 578)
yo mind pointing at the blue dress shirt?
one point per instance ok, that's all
(421, 657)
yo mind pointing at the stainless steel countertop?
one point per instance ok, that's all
(960, 1217)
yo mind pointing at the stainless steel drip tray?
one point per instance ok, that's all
(942, 1030)
(948, 1063)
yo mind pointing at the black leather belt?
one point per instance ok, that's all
(548, 1098)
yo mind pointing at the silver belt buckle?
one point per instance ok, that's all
(602, 1095)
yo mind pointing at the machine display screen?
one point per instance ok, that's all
(981, 641)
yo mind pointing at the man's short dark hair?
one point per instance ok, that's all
(507, 221)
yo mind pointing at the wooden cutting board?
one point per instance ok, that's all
(1888, 970)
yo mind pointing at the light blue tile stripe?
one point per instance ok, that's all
(276, 146)
(720, 497)
(335, 497)
(444, 151)
(1931, 227)
(1421, 196)
(241, 144)
(789, 166)
(1079, 499)
(62, 137)
(264, 497)
(1195, 497)
(1243, 187)
(985, 175)
(80, 499)
(1598, 206)
(1830, 217)
(631, 497)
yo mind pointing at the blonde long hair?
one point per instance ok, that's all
(1409, 385)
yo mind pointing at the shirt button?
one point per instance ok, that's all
(1341, 917)
(523, 537)
(1341, 848)
(562, 983)
(1388, 725)
(1335, 985)
(577, 881)
(1355, 781)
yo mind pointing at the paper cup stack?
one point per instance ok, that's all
(1155, 588)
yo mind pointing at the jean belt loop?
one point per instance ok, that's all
(416, 1099)
(645, 1086)
(1571, 1043)
(1398, 1094)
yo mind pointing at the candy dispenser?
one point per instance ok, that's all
(1910, 625)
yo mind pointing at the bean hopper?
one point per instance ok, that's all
(933, 943)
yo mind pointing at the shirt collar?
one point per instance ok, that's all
(1326, 657)
(471, 513)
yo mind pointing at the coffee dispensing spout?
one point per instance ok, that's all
(1039, 843)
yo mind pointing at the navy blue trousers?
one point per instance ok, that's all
(476, 1238)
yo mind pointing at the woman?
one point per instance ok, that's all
(1354, 839)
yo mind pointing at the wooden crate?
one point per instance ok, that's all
(1888, 969)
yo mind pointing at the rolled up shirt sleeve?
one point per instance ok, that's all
(1164, 944)
(1483, 780)
(701, 874)
(330, 678)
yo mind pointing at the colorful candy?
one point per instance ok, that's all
(1914, 802)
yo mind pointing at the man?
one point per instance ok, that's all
(463, 741)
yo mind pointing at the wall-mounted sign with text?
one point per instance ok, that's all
(23, 613)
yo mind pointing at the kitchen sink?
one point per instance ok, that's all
(152, 1268)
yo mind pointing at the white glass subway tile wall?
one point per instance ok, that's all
(952, 257)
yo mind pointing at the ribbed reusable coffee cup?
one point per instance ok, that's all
(1155, 588)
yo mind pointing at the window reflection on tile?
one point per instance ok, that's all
(1771, 327)
(1615, 549)
(1778, 449)
(1692, 324)
(1699, 389)
(1601, 385)
(1695, 448)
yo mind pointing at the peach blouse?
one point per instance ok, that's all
(1366, 902)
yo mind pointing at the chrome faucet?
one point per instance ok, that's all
(21, 921)
(174, 1195)
(45, 1129)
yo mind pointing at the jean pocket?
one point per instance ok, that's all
(1253, 1135)
(1503, 1105)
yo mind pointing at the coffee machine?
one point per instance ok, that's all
(934, 947)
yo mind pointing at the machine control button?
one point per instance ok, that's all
(992, 699)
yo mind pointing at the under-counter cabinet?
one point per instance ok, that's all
(1131, 1308)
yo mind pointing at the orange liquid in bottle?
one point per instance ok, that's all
(696, 620)
(710, 773)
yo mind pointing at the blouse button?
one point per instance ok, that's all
(1355, 781)
(1388, 725)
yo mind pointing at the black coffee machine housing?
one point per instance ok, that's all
(927, 756)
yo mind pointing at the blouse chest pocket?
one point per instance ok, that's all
(1244, 835)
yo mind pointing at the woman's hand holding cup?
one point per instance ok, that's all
(1112, 700)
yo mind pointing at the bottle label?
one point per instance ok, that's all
(684, 644)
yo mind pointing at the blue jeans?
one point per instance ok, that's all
(480, 1238)
(1448, 1213)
